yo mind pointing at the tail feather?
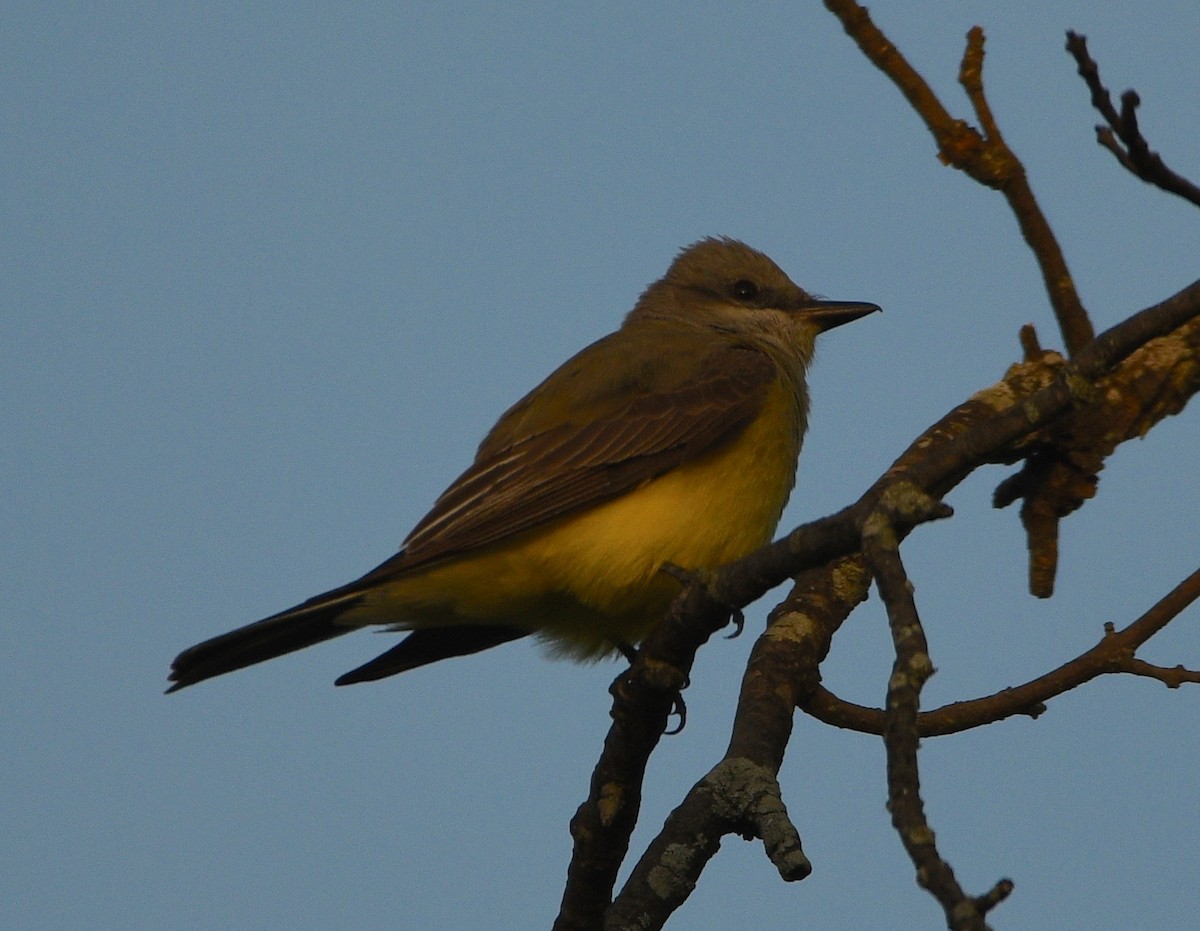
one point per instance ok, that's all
(430, 644)
(282, 633)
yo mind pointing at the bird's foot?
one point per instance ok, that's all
(678, 705)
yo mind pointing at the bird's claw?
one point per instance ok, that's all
(739, 623)
(679, 707)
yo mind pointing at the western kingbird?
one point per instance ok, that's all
(671, 442)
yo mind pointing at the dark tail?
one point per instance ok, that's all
(294, 629)
(430, 644)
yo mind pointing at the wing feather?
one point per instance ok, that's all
(572, 466)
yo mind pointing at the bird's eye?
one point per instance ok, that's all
(744, 289)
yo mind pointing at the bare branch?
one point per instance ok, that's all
(1115, 653)
(1062, 468)
(912, 668)
(1031, 396)
(1122, 136)
(1172, 678)
(783, 664)
(1030, 344)
(984, 156)
(736, 796)
(642, 700)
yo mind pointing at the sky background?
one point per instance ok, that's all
(270, 271)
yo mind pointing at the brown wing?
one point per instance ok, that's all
(572, 466)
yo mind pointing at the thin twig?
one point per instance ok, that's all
(1113, 654)
(1122, 136)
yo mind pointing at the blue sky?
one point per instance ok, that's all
(269, 273)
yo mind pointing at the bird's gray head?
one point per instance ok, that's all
(725, 285)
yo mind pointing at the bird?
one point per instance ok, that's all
(667, 446)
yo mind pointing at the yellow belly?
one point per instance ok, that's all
(591, 579)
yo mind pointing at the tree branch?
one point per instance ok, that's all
(1136, 156)
(984, 156)
(911, 670)
(1063, 463)
(1115, 653)
(740, 794)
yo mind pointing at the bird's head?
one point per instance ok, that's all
(725, 285)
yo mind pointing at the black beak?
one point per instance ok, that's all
(829, 314)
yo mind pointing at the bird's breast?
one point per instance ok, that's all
(700, 515)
